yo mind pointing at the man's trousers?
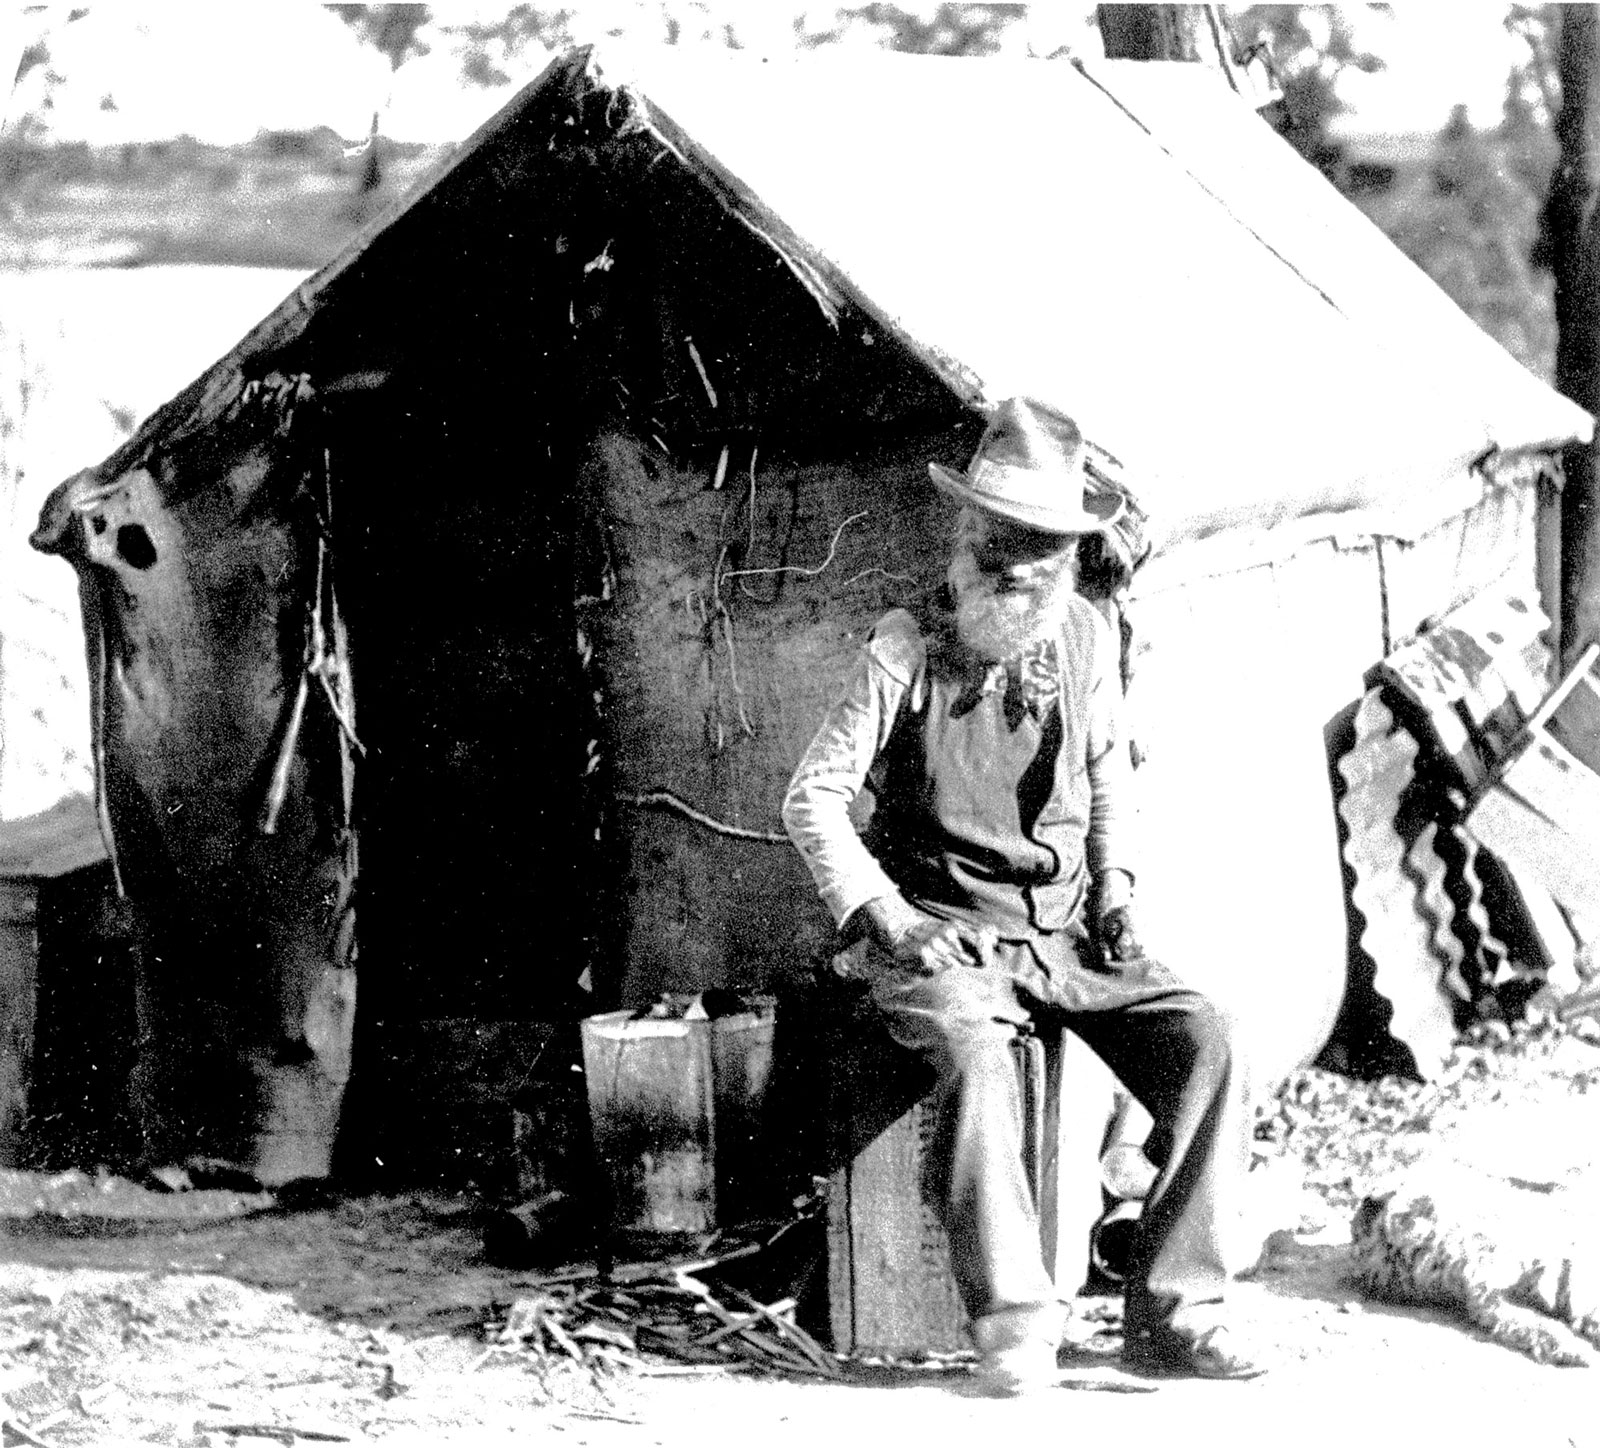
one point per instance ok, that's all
(1169, 1046)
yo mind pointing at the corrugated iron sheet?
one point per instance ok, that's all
(1472, 680)
(1545, 811)
(1397, 936)
(1557, 952)
(1540, 814)
(1477, 675)
(1428, 871)
(1485, 957)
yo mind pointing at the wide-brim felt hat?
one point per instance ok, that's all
(1029, 467)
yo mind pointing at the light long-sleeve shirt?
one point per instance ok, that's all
(890, 681)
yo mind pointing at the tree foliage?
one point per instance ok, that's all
(949, 30)
(391, 30)
(1547, 142)
(483, 42)
(1309, 47)
(1532, 86)
(36, 54)
(1470, 221)
(488, 50)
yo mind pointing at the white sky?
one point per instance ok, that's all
(1436, 55)
(222, 71)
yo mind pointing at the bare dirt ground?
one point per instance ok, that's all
(207, 1319)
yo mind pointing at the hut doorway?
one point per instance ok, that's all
(478, 874)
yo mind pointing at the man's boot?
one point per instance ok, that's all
(1017, 1349)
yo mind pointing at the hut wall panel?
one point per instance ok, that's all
(19, 990)
(722, 731)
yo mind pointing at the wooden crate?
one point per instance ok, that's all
(890, 1287)
(35, 854)
(19, 994)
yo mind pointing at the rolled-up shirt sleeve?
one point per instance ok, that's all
(834, 768)
(1110, 767)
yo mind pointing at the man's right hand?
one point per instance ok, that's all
(923, 943)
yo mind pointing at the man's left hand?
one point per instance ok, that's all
(1115, 935)
(1112, 910)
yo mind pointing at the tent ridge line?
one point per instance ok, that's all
(829, 286)
(1266, 245)
(734, 197)
(805, 274)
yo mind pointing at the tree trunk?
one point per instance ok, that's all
(1572, 233)
(1171, 32)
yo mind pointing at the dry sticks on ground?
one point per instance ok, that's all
(645, 1321)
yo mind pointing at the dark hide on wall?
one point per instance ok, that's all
(223, 783)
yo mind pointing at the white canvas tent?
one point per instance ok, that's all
(1132, 242)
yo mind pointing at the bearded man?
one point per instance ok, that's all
(992, 888)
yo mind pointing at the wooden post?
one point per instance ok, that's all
(1573, 237)
(19, 995)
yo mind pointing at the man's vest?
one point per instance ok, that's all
(981, 802)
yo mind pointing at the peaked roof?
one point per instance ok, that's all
(1128, 241)
(1132, 243)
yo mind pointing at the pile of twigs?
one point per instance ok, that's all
(655, 1317)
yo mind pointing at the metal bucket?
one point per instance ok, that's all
(676, 1108)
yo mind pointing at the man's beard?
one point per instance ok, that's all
(999, 621)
